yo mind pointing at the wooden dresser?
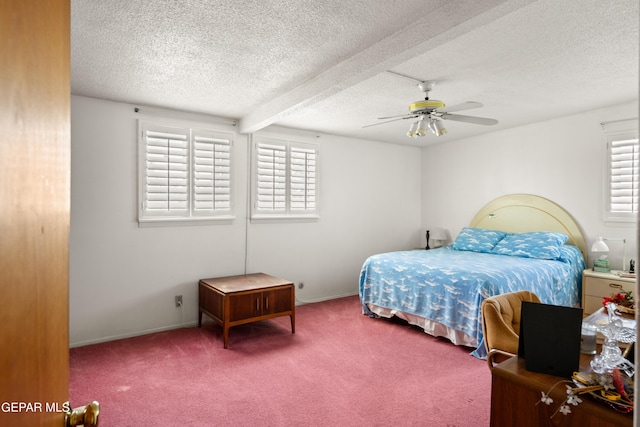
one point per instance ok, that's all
(236, 300)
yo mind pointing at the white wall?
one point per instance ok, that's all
(562, 160)
(123, 278)
(375, 197)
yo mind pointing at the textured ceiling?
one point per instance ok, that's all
(321, 65)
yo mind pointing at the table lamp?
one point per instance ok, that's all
(601, 263)
(438, 235)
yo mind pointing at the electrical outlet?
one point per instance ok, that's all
(178, 300)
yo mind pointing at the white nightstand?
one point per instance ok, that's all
(597, 285)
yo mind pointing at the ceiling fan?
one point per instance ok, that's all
(430, 114)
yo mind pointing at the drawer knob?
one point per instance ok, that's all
(615, 285)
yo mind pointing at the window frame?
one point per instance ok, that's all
(288, 212)
(614, 133)
(196, 175)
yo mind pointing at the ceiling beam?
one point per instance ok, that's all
(438, 25)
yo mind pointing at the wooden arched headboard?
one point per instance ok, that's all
(519, 213)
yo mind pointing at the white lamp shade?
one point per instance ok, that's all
(599, 245)
(438, 234)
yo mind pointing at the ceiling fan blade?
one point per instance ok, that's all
(470, 119)
(401, 116)
(389, 121)
(461, 107)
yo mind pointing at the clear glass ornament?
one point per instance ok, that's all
(611, 355)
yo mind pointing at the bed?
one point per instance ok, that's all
(516, 242)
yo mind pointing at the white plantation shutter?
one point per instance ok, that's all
(303, 179)
(167, 172)
(185, 174)
(624, 161)
(211, 173)
(285, 179)
(271, 177)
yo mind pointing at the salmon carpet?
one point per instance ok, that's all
(340, 368)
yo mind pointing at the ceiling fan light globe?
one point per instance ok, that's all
(422, 127)
(412, 130)
(431, 128)
(438, 128)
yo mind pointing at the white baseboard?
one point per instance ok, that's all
(184, 325)
(301, 302)
(132, 334)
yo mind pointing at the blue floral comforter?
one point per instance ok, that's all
(448, 286)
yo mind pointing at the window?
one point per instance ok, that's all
(623, 162)
(285, 179)
(185, 174)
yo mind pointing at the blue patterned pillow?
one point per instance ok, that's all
(539, 244)
(477, 239)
